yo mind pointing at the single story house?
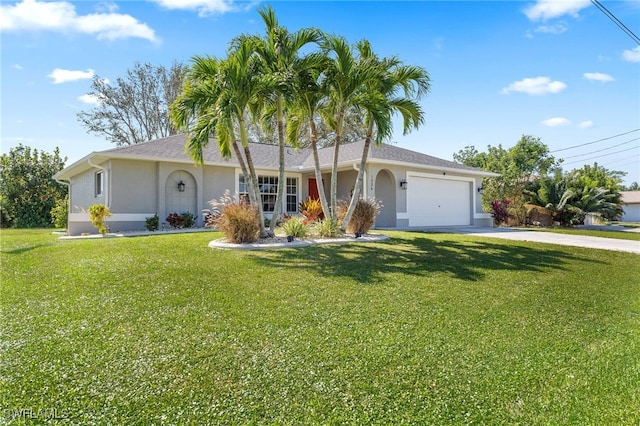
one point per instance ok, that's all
(138, 181)
(631, 206)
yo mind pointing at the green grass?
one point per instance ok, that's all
(620, 235)
(421, 329)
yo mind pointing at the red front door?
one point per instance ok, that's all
(313, 189)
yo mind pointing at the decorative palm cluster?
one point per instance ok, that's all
(292, 84)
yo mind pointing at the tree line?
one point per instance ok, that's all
(531, 176)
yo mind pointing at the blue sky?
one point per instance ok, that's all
(557, 70)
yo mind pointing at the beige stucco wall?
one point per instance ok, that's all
(134, 187)
(82, 194)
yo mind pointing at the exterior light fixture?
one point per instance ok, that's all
(480, 189)
(181, 186)
(403, 184)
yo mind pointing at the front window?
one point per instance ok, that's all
(99, 183)
(268, 190)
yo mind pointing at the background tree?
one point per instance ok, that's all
(589, 178)
(634, 186)
(135, 108)
(28, 192)
(518, 166)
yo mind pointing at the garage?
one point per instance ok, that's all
(438, 201)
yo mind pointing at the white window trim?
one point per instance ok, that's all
(296, 176)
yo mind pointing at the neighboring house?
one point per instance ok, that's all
(631, 206)
(138, 181)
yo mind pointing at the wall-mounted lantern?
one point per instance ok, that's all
(181, 186)
(403, 184)
(480, 189)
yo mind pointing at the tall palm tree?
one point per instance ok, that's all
(345, 77)
(309, 99)
(395, 88)
(216, 99)
(280, 60)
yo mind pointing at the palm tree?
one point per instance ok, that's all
(381, 99)
(309, 99)
(280, 64)
(595, 200)
(553, 195)
(216, 99)
(345, 78)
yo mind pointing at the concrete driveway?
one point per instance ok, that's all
(541, 237)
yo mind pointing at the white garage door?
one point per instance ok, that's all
(438, 202)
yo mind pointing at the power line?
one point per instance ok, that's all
(611, 16)
(591, 143)
(603, 149)
(603, 155)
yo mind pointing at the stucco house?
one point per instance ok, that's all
(138, 181)
(631, 206)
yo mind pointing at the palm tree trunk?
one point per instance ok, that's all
(281, 176)
(316, 162)
(358, 185)
(253, 187)
(334, 168)
(245, 172)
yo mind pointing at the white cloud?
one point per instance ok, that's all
(552, 29)
(17, 67)
(632, 55)
(61, 16)
(89, 99)
(548, 9)
(586, 124)
(556, 122)
(59, 75)
(535, 86)
(204, 7)
(598, 76)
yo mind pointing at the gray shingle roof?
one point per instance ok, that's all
(265, 156)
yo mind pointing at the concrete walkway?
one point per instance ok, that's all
(541, 237)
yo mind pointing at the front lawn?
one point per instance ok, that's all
(421, 329)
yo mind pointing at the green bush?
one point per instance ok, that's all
(152, 223)
(239, 222)
(189, 219)
(363, 216)
(328, 228)
(295, 227)
(60, 213)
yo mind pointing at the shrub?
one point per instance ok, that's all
(499, 211)
(295, 227)
(328, 228)
(311, 210)
(239, 222)
(363, 216)
(189, 219)
(98, 214)
(60, 213)
(175, 220)
(152, 223)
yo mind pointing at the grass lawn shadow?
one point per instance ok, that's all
(418, 254)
